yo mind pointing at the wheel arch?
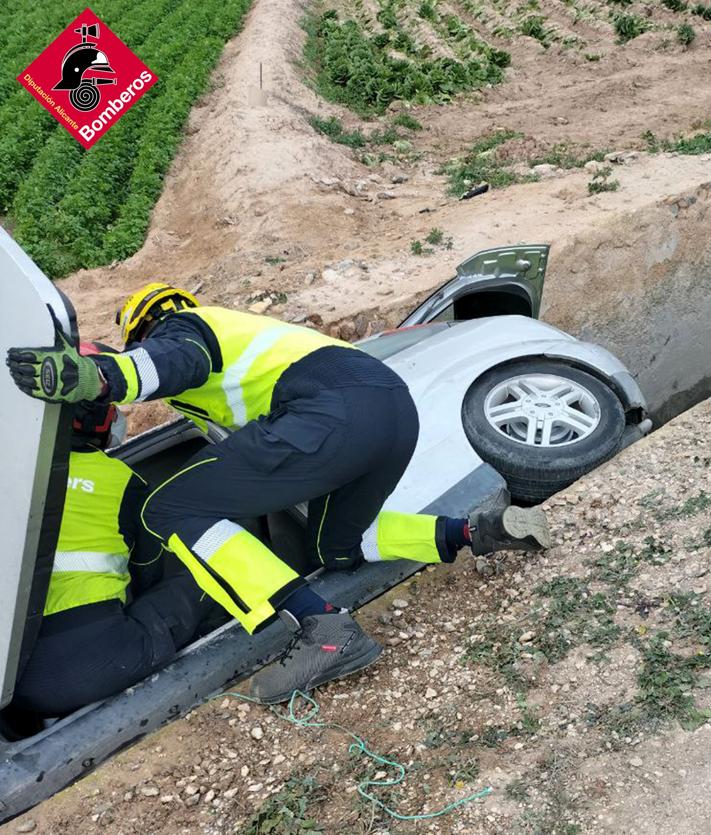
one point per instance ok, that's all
(616, 377)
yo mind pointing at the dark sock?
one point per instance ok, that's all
(304, 602)
(456, 534)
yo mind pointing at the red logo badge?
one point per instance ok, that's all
(87, 78)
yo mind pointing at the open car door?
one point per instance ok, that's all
(33, 460)
(494, 282)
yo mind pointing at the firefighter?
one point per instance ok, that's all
(311, 419)
(91, 645)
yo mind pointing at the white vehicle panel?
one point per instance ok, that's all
(28, 430)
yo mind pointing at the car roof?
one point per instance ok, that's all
(33, 461)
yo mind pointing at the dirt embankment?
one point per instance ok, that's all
(555, 682)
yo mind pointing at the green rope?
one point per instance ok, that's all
(358, 746)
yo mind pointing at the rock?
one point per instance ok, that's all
(309, 278)
(430, 693)
(192, 801)
(256, 732)
(386, 195)
(167, 798)
(26, 826)
(230, 793)
(191, 790)
(485, 567)
(149, 791)
(261, 306)
(636, 762)
(361, 324)
(593, 166)
(399, 178)
(400, 603)
(330, 275)
(209, 796)
(545, 170)
(244, 771)
(347, 330)
(255, 787)
(527, 637)
(278, 760)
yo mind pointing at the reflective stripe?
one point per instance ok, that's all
(236, 373)
(369, 544)
(147, 372)
(396, 536)
(94, 562)
(215, 537)
(127, 367)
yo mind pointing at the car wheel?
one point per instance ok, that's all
(542, 425)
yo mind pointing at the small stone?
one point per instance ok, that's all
(636, 762)
(349, 211)
(192, 801)
(256, 732)
(255, 787)
(399, 178)
(209, 796)
(386, 195)
(27, 826)
(430, 693)
(527, 637)
(149, 791)
(545, 170)
(400, 603)
(167, 798)
(260, 307)
(191, 790)
(278, 760)
(330, 275)
(244, 771)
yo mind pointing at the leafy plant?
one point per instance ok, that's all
(629, 26)
(287, 812)
(702, 10)
(676, 5)
(685, 34)
(333, 129)
(601, 182)
(404, 120)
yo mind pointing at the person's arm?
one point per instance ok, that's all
(147, 554)
(176, 357)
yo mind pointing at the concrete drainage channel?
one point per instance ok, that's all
(646, 283)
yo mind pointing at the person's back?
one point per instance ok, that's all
(91, 643)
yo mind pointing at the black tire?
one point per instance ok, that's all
(535, 473)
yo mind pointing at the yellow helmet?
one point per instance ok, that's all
(150, 304)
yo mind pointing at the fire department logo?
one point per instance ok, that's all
(87, 78)
(78, 68)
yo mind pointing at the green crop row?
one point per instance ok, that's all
(359, 69)
(72, 208)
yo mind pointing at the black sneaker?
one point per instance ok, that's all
(515, 529)
(323, 647)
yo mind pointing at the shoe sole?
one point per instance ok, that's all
(354, 665)
(525, 523)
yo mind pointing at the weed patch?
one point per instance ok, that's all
(333, 129)
(481, 165)
(601, 182)
(287, 812)
(685, 34)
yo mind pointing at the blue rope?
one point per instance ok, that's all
(359, 746)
